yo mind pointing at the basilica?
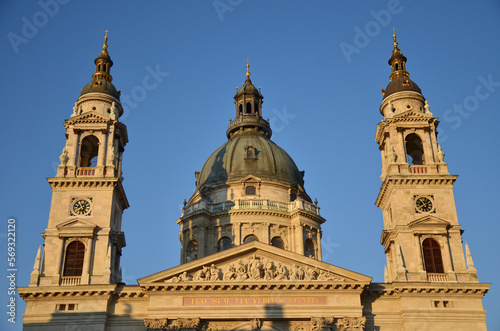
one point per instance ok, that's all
(250, 234)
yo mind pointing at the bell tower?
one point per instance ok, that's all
(83, 239)
(421, 236)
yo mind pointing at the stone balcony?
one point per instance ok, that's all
(71, 280)
(426, 169)
(245, 204)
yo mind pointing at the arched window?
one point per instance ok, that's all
(224, 243)
(432, 256)
(240, 108)
(248, 109)
(309, 249)
(250, 238)
(414, 149)
(278, 242)
(256, 107)
(250, 190)
(191, 251)
(89, 151)
(73, 262)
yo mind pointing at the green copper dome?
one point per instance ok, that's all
(249, 149)
(250, 155)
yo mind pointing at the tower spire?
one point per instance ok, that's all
(101, 78)
(103, 62)
(399, 78)
(248, 69)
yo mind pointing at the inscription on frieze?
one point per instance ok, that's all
(255, 301)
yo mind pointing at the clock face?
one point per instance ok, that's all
(81, 207)
(423, 204)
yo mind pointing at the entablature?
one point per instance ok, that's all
(391, 181)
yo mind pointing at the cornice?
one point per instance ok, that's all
(411, 180)
(419, 288)
(83, 182)
(264, 285)
(50, 292)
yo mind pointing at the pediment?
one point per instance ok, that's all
(92, 117)
(255, 262)
(251, 179)
(412, 114)
(429, 221)
(76, 228)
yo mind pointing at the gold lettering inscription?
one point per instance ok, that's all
(253, 301)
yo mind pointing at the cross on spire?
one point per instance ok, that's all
(105, 46)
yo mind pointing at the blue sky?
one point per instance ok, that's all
(321, 66)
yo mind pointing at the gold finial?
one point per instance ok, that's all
(105, 45)
(248, 69)
(395, 44)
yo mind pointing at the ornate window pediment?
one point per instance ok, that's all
(76, 228)
(429, 224)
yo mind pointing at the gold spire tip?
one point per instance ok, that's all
(394, 36)
(248, 69)
(105, 45)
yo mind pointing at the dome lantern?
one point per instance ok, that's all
(248, 101)
(101, 79)
(400, 78)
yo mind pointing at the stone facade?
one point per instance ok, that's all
(250, 235)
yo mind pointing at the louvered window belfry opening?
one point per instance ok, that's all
(432, 256)
(73, 263)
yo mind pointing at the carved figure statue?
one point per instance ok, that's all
(242, 270)
(280, 272)
(393, 156)
(75, 110)
(256, 269)
(311, 274)
(440, 154)
(293, 272)
(300, 273)
(201, 274)
(114, 112)
(231, 273)
(112, 156)
(184, 277)
(64, 156)
(427, 107)
(269, 270)
(214, 272)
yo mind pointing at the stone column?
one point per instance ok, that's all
(58, 263)
(428, 150)
(420, 258)
(299, 233)
(237, 234)
(318, 238)
(101, 153)
(86, 262)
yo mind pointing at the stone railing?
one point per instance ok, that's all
(87, 171)
(418, 169)
(70, 280)
(437, 277)
(242, 204)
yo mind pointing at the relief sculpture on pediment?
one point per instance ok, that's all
(256, 268)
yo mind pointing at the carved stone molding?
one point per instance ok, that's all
(350, 324)
(184, 324)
